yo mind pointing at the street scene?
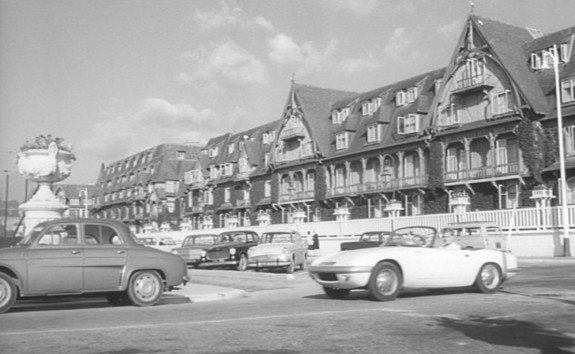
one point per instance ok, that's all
(287, 176)
(274, 313)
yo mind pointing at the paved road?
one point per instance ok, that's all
(534, 313)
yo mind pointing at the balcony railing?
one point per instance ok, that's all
(296, 195)
(378, 186)
(293, 133)
(483, 172)
(471, 83)
(243, 203)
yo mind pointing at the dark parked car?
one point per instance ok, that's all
(367, 240)
(191, 248)
(87, 256)
(231, 249)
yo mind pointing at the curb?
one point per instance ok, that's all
(244, 275)
(220, 295)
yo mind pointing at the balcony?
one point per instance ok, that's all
(243, 203)
(197, 209)
(378, 186)
(471, 84)
(295, 196)
(293, 133)
(484, 172)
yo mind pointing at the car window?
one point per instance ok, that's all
(281, 238)
(101, 235)
(203, 240)
(239, 238)
(59, 235)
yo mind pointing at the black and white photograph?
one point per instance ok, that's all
(287, 176)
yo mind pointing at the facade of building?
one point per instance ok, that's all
(145, 190)
(478, 134)
(78, 197)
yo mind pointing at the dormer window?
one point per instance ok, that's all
(408, 124)
(568, 90)
(374, 133)
(369, 107)
(269, 137)
(500, 103)
(231, 148)
(341, 141)
(213, 151)
(543, 59)
(181, 155)
(214, 172)
(406, 96)
(228, 169)
(339, 116)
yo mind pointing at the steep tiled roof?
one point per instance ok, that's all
(317, 104)
(507, 42)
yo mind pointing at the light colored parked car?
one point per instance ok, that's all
(81, 256)
(279, 249)
(191, 248)
(477, 234)
(414, 257)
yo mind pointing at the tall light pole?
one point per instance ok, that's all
(6, 204)
(85, 193)
(565, 213)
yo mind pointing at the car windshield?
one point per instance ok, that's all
(413, 236)
(202, 240)
(277, 237)
(237, 237)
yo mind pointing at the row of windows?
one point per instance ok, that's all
(544, 59)
(129, 163)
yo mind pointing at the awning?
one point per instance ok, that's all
(569, 163)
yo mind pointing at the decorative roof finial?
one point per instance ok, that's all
(292, 79)
(471, 7)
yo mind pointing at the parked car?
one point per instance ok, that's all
(477, 234)
(279, 249)
(230, 250)
(419, 260)
(87, 256)
(366, 240)
(191, 248)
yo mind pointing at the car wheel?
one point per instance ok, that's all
(120, 299)
(243, 264)
(489, 278)
(146, 288)
(336, 293)
(291, 267)
(385, 282)
(8, 292)
(303, 265)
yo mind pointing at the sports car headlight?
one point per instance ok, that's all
(232, 251)
(250, 252)
(203, 253)
(285, 251)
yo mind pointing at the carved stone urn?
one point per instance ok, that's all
(44, 166)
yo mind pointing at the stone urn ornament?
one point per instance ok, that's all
(45, 161)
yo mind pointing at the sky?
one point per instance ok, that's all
(115, 77)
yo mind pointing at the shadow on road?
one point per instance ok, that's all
(510, 333)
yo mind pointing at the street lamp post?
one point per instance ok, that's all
(85, 193)
(6, 204)
(566, 241)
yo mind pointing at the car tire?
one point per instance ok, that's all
(8, 292)
(385, 282)
(488, 279)
(145, 288)
(243, 263)
(337, 294)
(119, 299)
(291, 267)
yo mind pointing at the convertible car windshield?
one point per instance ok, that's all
(203, 240)
(413, 236)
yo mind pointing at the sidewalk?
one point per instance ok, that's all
(194, 292)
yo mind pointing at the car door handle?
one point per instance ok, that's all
(75, 252)
(120, 252)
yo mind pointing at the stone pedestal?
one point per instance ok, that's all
(43, 206)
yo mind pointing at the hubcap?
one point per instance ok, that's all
(489, 277)
(147, 287)
(386, 282)
(4, 292)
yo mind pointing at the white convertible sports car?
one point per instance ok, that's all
(412, 258)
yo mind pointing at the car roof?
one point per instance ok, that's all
(85, 221)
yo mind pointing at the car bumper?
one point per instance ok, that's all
(215, 264)
(268, 264)
(344, 277)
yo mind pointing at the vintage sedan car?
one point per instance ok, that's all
(477, 234)
(414, 257)
(230, 250)
(366, 240)
(87, 256)
(279, 249)
(191, 248)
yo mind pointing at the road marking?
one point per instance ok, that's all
(155, 325)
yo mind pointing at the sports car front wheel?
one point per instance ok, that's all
(385, 282)
(489, 278)
(8, 292)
